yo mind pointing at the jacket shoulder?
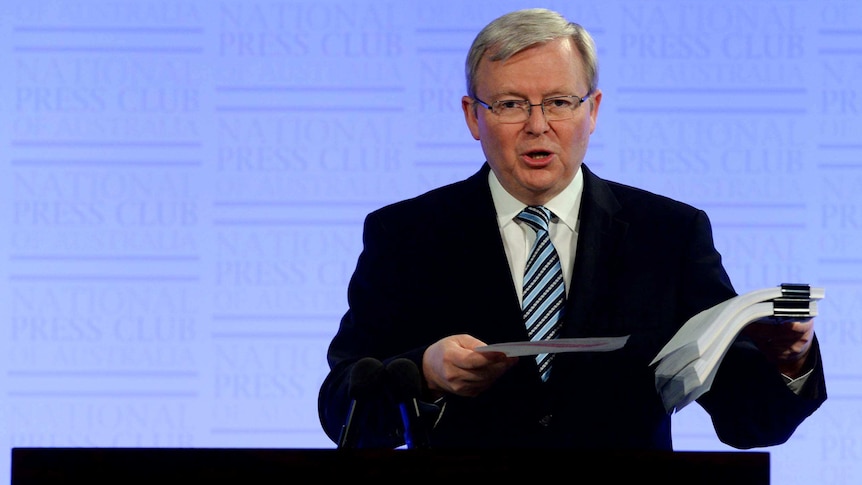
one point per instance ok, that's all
(445, 201)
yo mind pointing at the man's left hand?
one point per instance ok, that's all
(786, 343)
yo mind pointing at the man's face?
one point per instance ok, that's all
(534, 160)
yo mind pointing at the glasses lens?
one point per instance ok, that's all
(511, 110)
(557, 109)
(518, 110)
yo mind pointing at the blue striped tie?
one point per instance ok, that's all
(544, 289)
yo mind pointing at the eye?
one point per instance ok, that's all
(510, 104)
(560, 103)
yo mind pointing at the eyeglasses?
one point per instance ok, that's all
(556, 108)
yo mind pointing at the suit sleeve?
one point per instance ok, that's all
(749, 401)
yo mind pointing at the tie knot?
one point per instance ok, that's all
(537, 216)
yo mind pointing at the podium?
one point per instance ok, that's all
(270, 466)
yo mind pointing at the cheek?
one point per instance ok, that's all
(575, 141)
(581, 134)
(496, 138)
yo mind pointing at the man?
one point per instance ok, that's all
(442, 274)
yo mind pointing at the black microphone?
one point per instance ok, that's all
(366, 380)
(405, 384)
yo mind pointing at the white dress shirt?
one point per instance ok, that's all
(518, 237)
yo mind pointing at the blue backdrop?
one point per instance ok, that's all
(184, 184)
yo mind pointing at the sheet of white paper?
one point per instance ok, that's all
(591, 344)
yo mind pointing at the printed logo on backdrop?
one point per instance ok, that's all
(105, 223)
(837, 222)
(310, 102)
(711, 104)
(188, 181)
(309, 99)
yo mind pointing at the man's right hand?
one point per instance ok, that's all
(452, 366)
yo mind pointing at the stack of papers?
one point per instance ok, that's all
(688, 362)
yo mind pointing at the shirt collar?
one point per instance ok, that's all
(565, 205)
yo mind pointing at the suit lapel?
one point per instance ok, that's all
(599, 236)
(482, 250)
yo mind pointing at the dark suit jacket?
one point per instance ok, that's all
(435, 266)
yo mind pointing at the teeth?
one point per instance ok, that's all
(538, 155)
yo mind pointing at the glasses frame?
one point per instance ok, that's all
(489, 107)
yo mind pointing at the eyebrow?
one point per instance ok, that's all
(522, 96)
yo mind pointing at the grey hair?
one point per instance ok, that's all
(516, 31)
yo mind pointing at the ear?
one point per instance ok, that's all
(470, 116)
(594, 109)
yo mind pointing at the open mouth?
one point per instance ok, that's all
(538, 155)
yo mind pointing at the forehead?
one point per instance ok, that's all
(554, 67)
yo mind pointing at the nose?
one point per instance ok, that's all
(537, 122)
